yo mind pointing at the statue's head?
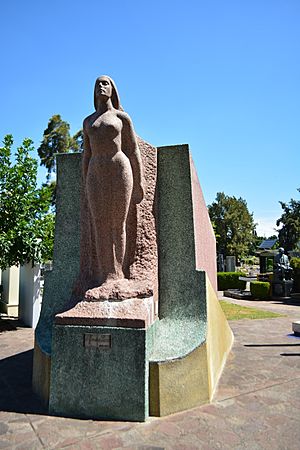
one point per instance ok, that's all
(104, 85)
(281, 250)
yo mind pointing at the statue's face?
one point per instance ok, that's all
(103, 87)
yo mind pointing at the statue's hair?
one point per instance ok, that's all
(115, 99)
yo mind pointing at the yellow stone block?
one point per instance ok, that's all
(41, 374)
(190, 381)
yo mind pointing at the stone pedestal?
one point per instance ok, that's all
(282, 288)
(108, 372)
(105, 347)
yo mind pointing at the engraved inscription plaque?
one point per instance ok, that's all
(93, 340)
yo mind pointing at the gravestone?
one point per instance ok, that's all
(230, 264)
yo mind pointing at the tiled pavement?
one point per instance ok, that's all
(257, 405)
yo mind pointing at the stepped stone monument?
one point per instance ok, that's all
(130, 323)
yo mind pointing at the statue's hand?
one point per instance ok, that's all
(138, 193)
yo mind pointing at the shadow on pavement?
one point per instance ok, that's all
(8, 324)
(16, 393)
(272, 345)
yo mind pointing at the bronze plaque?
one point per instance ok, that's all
(93, 340)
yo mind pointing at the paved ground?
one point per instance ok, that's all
(257, 405)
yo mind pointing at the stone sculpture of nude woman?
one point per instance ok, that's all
(112, 179)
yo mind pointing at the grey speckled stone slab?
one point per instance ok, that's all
(182, 288)
(100, 372)
(59, 282)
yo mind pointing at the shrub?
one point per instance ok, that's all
(295, 263)
(260, 289)
(230, 280)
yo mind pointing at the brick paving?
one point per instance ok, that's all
(257, 404)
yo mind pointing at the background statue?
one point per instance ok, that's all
(282, 269)
(112, 182)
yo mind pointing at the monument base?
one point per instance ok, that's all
(282, 288)
(99, 363)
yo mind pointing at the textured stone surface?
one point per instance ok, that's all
(205, 242)
(41, 374)
(106, 382)
(182, 298)
(190, 380)
(141, 252)
(129, 313)
(219, 339)
(179, 384)
(59, 282)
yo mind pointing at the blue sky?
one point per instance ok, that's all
(222, 76)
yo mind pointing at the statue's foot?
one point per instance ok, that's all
(120, 290)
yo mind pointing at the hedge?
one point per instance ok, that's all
(230, 280)
(260, 289)
(295, 264)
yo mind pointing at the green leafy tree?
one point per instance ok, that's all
(77, 142)
(289, 233)
(57, 139)
(26, 225)
(233, 224)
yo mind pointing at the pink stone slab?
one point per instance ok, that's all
(130, 313)
(205, 242)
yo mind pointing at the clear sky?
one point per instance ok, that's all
(222, 76)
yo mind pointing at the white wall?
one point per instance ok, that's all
(30, 294)
(10, 294)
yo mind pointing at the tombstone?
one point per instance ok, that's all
(230, 264)
(220, 263)
(130, 324)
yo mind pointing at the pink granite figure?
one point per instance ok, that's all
(112, 180)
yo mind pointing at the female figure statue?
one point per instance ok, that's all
(112, 179)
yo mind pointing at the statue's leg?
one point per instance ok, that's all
(99, 182)
(121, 196)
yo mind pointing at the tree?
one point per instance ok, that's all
(77, 142)
(289, 233)
(233, 224)
(57, 139)
(26, 224)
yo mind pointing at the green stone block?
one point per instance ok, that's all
(100, 372)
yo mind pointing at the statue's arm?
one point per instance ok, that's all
(131, 149)
(86, 153)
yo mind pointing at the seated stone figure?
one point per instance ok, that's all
(282, 269)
